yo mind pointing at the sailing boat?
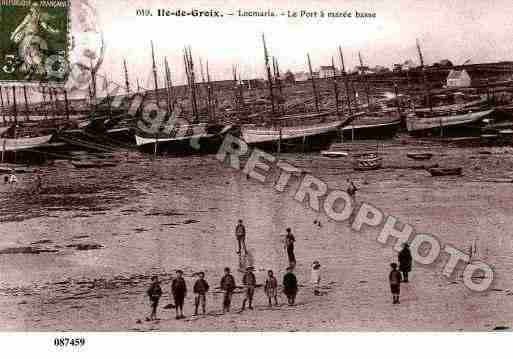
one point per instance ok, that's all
(427, 120)
(185, 137)
(312, 131)
(17, 138)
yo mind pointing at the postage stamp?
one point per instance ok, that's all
(34, 40)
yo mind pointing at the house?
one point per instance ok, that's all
(458, 78)
(301, 76)
(326, 72)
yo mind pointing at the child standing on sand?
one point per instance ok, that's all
(395, 279)
(315, 277)
(154, 292)
(271, 288)
(179, 291)
(200, 289)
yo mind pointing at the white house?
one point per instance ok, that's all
(458, 78)
(326, 72)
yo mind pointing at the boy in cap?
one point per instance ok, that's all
(179, 291)
(228, 286)
(200, 289)
(154, 292)
(395, 282)
(271, 288)
(249, 282)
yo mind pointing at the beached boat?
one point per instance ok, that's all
(24, 143)
(194, 138)
(334, 154)
(447, 171)
(420, 156)
(373, 125)
(367, 162)
(304, 132)
(415, 123)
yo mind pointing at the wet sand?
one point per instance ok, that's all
(97, 235)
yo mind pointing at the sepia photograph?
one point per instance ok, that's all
(234, 166)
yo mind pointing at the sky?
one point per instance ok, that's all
(458, 30)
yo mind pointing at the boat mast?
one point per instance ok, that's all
(269, 78)
(211, 108)
(277, 77)
(168, 85)
(346, 85)
(189, 64)
(424, 78)
(316, 96)
(364, 79)
(15, 112)
(45, 113)
(127, 82)
(26, 102)
(66, 103)
(154, 68)
(335, 86)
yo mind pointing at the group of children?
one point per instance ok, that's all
(228, 286)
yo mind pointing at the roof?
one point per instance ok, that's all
(456, 74)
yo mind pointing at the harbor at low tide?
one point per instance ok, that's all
(96, 237)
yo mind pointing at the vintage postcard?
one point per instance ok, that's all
(230, 166)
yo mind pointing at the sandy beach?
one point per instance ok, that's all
(79, 255)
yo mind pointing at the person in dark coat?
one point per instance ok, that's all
(179, 291)
(289, 248)
(249, 282)
(405, 260)
(227, 286)
(240, 234)
(395, 283)
(290, 286)
(200, 290)
(154, 292)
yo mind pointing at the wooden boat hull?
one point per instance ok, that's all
(201, 140)
(419, 156)
(367, 162)
(370, 127)
(436, 172)
(334, 154)
(419, 124)
(293, 139)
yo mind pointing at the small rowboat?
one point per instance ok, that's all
(420, 156)
(334, 154)
(453, 171)
(368, 162)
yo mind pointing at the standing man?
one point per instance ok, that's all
(200, 289)
(290, 286)
(289, 247)
(249, 282)
(405, 260)
(228, 286)
(179, 291)
(154, 292)
(240, 234)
